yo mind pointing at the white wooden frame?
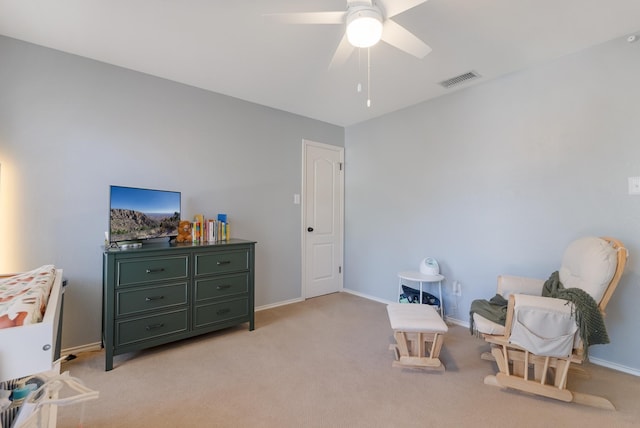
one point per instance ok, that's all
(30, 349)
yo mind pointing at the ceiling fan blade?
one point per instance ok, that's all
(398, 36)
(342, 54)
(395, 7)
(309, 17)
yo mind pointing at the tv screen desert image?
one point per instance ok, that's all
(137, 214)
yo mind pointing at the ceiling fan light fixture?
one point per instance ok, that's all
(364, 27)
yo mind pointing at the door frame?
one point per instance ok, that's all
(303, 229)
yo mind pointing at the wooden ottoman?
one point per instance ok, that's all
(419, 332)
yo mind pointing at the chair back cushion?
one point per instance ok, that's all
(589, 263)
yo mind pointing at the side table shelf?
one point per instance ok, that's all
(420, 278)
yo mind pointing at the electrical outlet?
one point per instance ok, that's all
(457, 288)
(634, 185)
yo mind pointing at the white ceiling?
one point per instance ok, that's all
(230, 48)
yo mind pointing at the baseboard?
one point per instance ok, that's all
(457, 321)
(366, 296)
(275, 305)
(84, 348)
(614, 366)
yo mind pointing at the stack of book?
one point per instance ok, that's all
(210, 230)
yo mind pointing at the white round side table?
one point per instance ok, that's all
(421, 279)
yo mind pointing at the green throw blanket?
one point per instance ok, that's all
(586, 312)
(588, 316)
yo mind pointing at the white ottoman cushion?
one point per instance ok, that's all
(415, 318)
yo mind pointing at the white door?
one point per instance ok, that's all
(322, 218)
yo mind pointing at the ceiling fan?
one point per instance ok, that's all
(367, 22)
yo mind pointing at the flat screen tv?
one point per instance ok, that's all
(137, 214)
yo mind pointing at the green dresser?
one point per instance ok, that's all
(165, 292)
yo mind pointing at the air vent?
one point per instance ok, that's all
(454, 81)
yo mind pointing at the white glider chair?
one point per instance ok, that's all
(540, 339)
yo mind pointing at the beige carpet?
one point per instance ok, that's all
(324, 363)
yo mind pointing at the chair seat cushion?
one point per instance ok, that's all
(483, 325)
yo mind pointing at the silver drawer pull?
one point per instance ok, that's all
(154, 326)
(224, 262)
(223, 287)
(149, 299)
(155, 270)
(223, 311)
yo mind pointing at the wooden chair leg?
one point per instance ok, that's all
(499, 358)
(419, 349)
(562, 368)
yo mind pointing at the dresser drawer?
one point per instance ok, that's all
(140, 329)
(148, 298)
(228, 285)
(151, 269)
(213, 313)
(222, 262)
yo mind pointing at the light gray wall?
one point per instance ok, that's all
(499, 178)
(492, 179)
(70, 127)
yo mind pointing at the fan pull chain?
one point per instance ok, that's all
(359, 86)
(368, 77)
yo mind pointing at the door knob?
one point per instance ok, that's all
(309, 229)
